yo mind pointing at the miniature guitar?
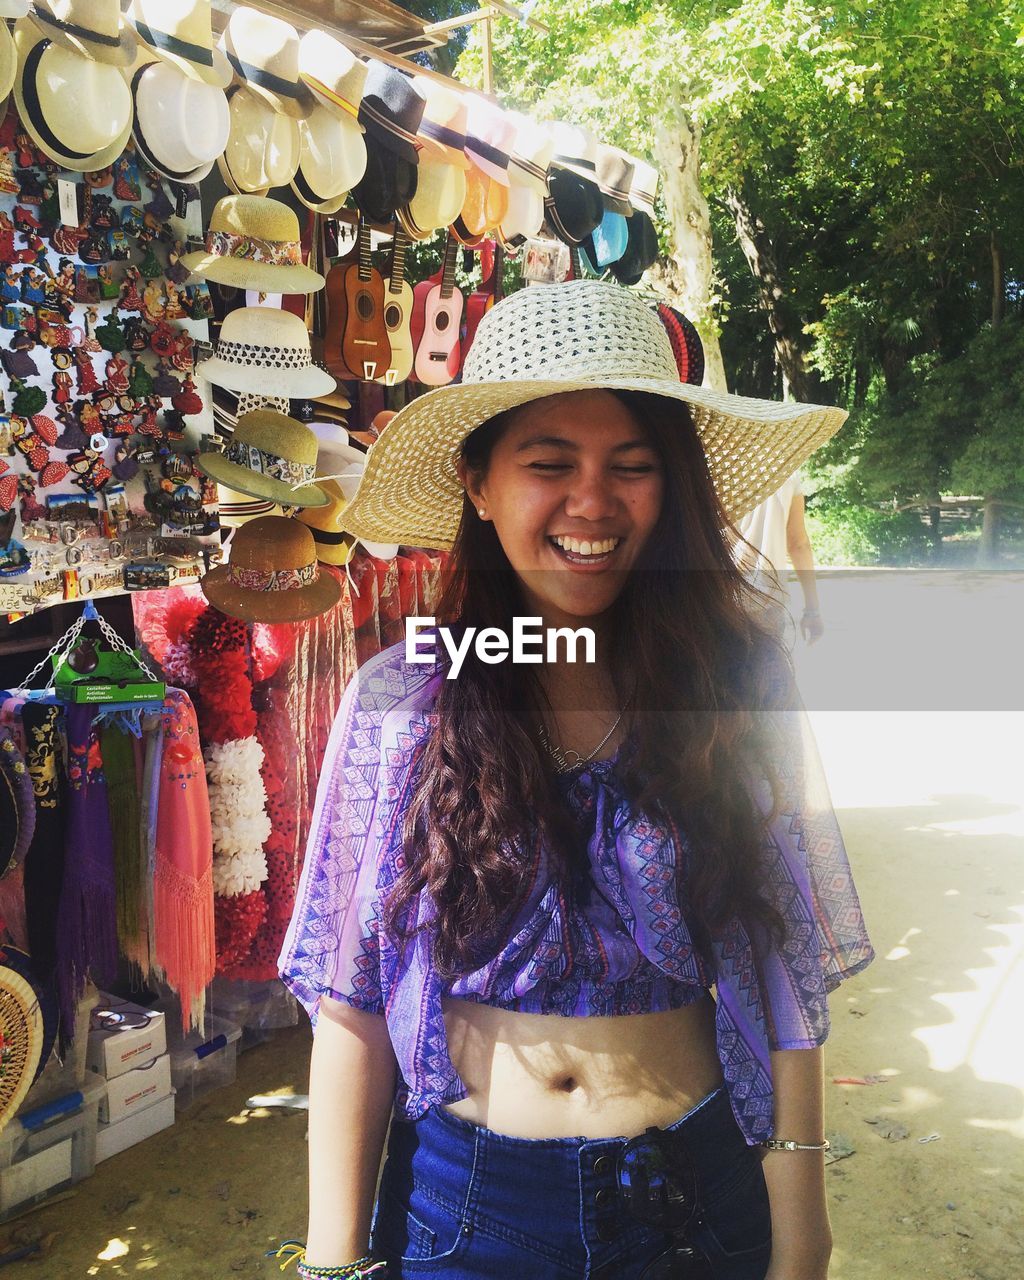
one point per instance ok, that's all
(489, 292)
(365, 346)
(336, 300)
(439, 352)
(398, 302)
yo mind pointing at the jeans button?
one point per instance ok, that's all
(602, 1165)
(602, 1196)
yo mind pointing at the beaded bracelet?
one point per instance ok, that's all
(294, 1251)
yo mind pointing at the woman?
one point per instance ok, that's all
(535, 873)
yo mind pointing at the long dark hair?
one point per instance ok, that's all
(695, 668)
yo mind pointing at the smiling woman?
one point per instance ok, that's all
(522, 884)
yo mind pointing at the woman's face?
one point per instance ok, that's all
(574, 489)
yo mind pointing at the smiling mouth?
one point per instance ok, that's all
(580, 551)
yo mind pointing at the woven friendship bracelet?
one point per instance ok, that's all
(269, 464)
(293, 1251)
(254, 353)
(275, 253)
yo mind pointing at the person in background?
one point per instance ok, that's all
(776, 532)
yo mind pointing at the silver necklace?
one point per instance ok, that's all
(567, 760)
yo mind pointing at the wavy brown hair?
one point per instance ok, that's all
(698, 664)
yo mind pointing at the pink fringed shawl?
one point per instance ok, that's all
(184, 950)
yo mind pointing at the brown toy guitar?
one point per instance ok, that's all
(365, 346)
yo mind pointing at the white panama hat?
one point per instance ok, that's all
(264, 54)
(545, 340)
(263, 145)
(332, 74)
(77, 110)
(265, 350)
(332, 159)
(181, 32)
(93, 29)
(181, 123)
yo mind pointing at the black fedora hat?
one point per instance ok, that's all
(574, 206)
(392, 110)
(388, 183)
(641, 251)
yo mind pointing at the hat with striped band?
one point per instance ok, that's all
(264, 55)
(181, 123)
(575, 149)
(442, 130)
(332, 73)
(181, 32)
(490, 137)
(615, 178)
(644, 186)
(269, 456)
(548, 340)
(392, 110)
(92, 28)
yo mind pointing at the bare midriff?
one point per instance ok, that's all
(546, 1076)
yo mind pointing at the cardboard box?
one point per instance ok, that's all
(134, 1091)
(122, 1036)
(112, 1139)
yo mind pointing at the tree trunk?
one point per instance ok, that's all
(998, 282)
(988, 547)
(686, 278)
(760, 255)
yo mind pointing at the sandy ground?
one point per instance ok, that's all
(932, 806)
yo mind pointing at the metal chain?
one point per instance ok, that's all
(66, 642)
(61, 648)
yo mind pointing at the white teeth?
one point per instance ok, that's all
(585, 548)
(578, 548)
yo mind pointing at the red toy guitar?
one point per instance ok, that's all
(438, 350)
(365, 346)
(489, 292)
(398, 302)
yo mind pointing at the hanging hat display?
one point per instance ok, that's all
(333, 544)
(253, 243)
(266, 351)
(390, 181)
(263, 145)
(615, 178)
(528, 179)
(332, 159)
(641, 249)
(235, 509)
(644, 186)
(93, 29)
(264, 54)
(181, 32)
(574, 206)
(575, 149)
(22, 1035)
(332, 73)
(269, 456)
(273, 575)
(17, 805)
(181, 123)
(442, 130)
(77, 110)
(438, 200)
(392, 110)
(484, 206)
(607, 242)
(490, 136)
(8, 53)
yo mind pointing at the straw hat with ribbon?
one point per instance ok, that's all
(269, 456)
(550, 339)
(22, 1037)
(341, 468)
(490, 137)
(235, 509)
(333, 545)
(93, 28)
(17, 804)
(266, 351)
(644, 186)
(575, 149)
(181, 123)
(77, 110)
(528, 179)
(181, 32)
(264, 54)
(392, 110)
(332, 73)
(615, 178)
(253, 243)
(485, 205)
(332, 159)
(442, 130)
(263, 145)
(440, 195)
(273, 575)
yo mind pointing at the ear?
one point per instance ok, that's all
(471, 483)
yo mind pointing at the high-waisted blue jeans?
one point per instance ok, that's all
(460, 1201)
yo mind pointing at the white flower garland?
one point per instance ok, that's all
(238, 816)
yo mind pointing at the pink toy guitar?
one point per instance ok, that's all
(438, 353)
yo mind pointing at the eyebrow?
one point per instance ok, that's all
(560, 442)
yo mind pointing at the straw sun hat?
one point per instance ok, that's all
(548, 339)
(253, 243)
(91, 28)
(269, 456)
(22, 1036)
(265, 351)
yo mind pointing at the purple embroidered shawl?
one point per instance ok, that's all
(617, 943)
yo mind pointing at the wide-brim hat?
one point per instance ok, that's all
(264, 54)
(389, 182)
(334, 545)
(270, 455)
(8, 61)
(641, 249)
(23, 1035)
(266, 351)
(272, 576)
(45, 996)
(181, 123)
(263, 145)
(440, 195)
(442, 130)
(181, 32)
(332, 159)
(574, 206)
(332, 73)
(392, 110)
(17, 804)
(484, 206)
(490, 137)
(686, 343)
(94, 29)
(547, 340)
(254, 243)
(78, 111)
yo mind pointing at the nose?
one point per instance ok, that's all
(591, 495)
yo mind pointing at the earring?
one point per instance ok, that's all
(481, 512)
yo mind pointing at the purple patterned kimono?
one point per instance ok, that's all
(615, 941)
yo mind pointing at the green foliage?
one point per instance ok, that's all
(860, 535)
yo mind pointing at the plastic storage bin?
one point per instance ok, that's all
(204, 1060)
(48, 1149)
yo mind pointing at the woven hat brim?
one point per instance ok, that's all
(10, 826)
(410, 491)
(306, 383)
(119, 55)
(21, 1023)
(270, 606)
(255, 485)
(8, 62)
(240, 273)
(45, 998)
(231, 182)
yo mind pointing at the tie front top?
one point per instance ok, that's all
(613, 939)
